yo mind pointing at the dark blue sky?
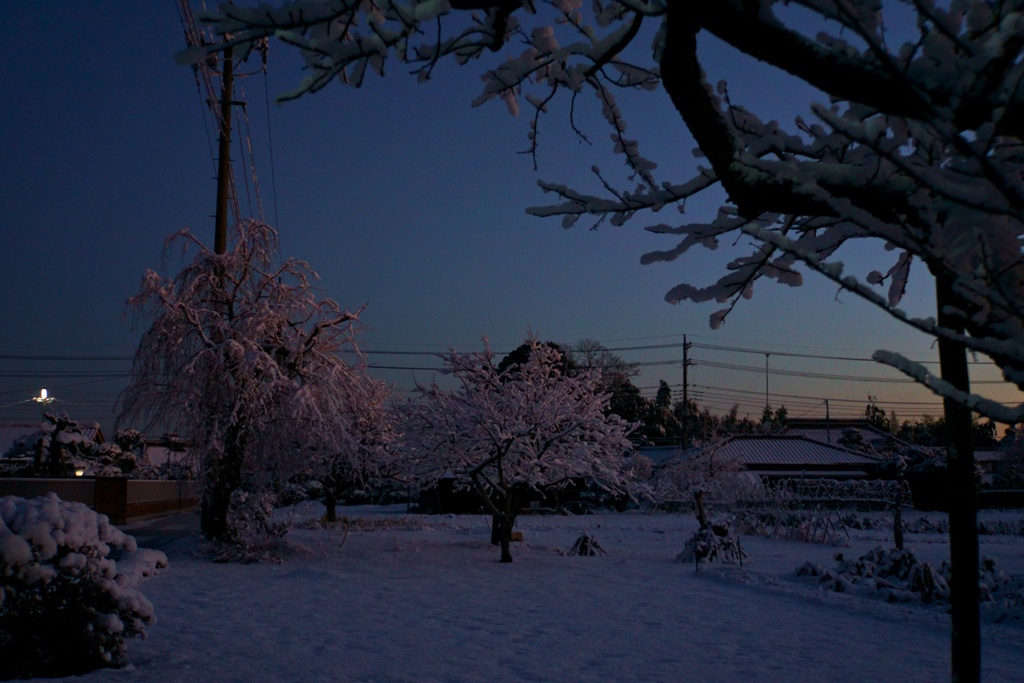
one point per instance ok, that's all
(400, 195)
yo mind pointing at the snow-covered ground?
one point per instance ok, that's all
(423, 598)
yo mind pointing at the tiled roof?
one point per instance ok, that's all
(869, 434)
(659, 455)
(9, 433)
(789, 451)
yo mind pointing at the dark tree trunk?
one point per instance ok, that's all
(503, 518)
(963, 499)
(897, 514)
(222, 479)
(702, 513)
(331, 502)
(497, 524)
(506, 539)
(501, 533)
(55, 458)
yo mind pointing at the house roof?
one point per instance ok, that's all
(831, 431)
(659, 455)
(760, 452)
(11, 432)
(990, 454)
(26, 434)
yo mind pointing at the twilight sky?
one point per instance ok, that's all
(401, 196)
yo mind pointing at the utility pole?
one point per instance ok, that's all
(686, 383)
(828, 424)
(220, 235)
(686, 391)
(766, 403)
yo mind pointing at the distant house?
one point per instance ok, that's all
(778, 456)
(168, 449)
(12, 432)
(661, 455)
(21, 439)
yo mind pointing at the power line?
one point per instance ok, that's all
(857, 359)
(91, 359)
(821, 375)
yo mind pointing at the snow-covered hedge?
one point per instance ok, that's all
(64, 607)
(899, 576)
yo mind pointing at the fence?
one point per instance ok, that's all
(122, 500)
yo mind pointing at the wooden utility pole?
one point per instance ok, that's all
(220, 234)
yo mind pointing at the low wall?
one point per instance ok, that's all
(122, 500)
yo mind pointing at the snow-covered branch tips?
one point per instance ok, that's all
(260, 376)
(527, 430)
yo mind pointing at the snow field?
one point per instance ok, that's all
(430, 602)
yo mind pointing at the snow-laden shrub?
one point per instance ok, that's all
(587, 546)
(923, 525)
(899, 576)
(1000, 527)
(714, 543)
(253, 533)
(895, 575)
(863, 522)
(986, 527)
(64, 607)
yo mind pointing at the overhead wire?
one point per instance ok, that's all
(270, 144)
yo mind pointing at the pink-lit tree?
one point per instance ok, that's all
(508, 434)
(260, 376)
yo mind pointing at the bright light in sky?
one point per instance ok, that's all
(401, 196)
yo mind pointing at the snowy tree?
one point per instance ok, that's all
(700, 468)
(919, 150)
(508, 434)
(242, 359)
(362, 452)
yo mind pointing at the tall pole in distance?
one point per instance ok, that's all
(220, 235)
(686, 383)
(686, 391)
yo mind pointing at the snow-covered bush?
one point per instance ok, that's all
(986, 527)
(855, 520)
(900, 576)
(64, 607)
(895, 575)
(714, 543)
(253, 534)
(587, 546)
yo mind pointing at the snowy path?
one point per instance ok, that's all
(433, 604)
